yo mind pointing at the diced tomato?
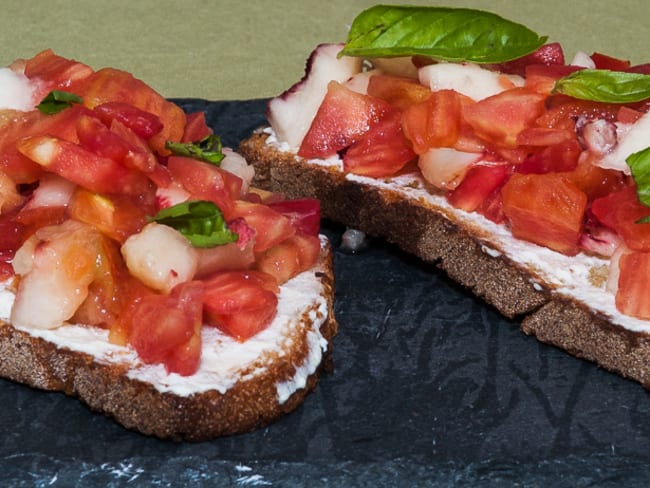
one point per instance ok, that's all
(435, 122)
(167, 328)
(541, 78)
(12, 235)
(543, 136)
(109, 84)
(633, 284)
(620, 211)
(271, 227)
(382, 151)
(290, 257)
(196, 127)
(226, 257)
(280, 261)
(500, 118)
(205, 181)
(595, 181)
(32, 219)
(550, 54)
(140, 156)
(115, 216)
(19, 125)
(144, 124)
(479, 183)
(546, 209)
(603, 61)
(85, 168)
(342, 118)
(240, 303)
(107, 291)
(304, 214)
(556, 158)
(562, 112)
(400, 92)
(628, 115)
(56, 73)
(96, 137)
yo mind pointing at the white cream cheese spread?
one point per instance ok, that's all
(224, 361)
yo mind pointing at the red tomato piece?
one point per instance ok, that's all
(562, 112)
(620, 211)
(144, 124)
(435, 122)
(304, 214)
(271, 227)
(56, 73)
(479, 183)
(628, 115)
(550, 54)
(541, 78)
(633, 285)
(97, 138)
(12, 235)
(595, 181)
(281, 261)
(382, 151)
(19, 125)
(342, 118)
(399, 91)
(167, 328)
(290, 257)
(205, 181)
(85, 168)
(240, 303)
(558, 157)
(543, 136)
(500, 118)
(546, 209)
(116, 216)
(196, 127)
(603, 61)
(109, 84)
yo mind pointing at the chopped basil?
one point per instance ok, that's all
(449, 34)
(600, 85)
(200, 221)
(56, 101)
(207, 149)
(639, 163)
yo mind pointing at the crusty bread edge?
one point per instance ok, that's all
(137, 405)
(429, 234)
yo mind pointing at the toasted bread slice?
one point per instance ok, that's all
(559, 299)
(238, 387)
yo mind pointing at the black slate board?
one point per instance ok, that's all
(431, 388)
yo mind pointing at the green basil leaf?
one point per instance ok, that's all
(56, 101)
(449, 34)
(600, 85)
(200, 221)
(639, 163)
(207, 149)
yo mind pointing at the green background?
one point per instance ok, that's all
(238, 49)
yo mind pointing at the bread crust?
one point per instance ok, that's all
(138, 405)
(431, 235)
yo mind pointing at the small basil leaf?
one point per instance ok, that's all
(56, 101)
(207, 149)
(600, 85)
(639, 163)
(449, 34)
(200, 221)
